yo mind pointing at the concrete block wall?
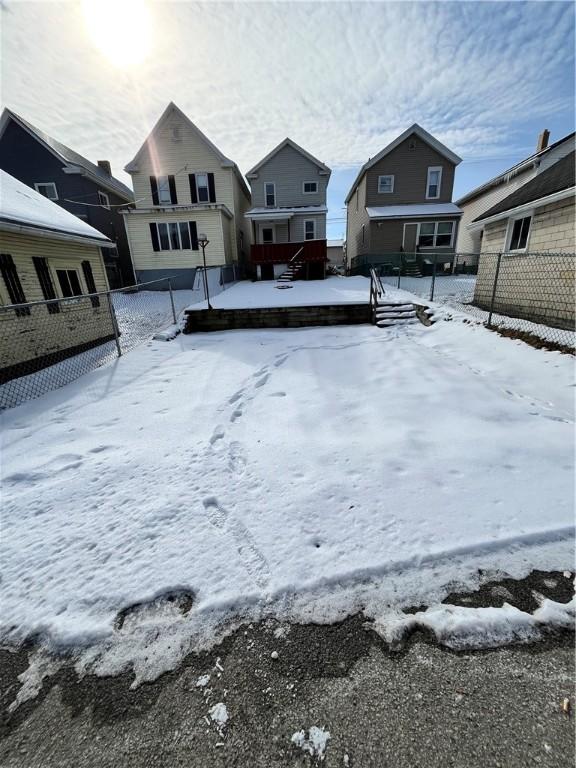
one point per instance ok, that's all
(276, 317)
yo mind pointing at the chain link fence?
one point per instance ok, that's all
(530, 295)
(47, 344)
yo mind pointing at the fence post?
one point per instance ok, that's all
(172, 299)
(494, 289)
(399, 270)
(114, 325)
(433, 277)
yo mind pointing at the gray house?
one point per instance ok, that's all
(401, 203)
(288, 214)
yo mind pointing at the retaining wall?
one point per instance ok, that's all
(276, 317)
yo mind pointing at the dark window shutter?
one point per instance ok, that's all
(193, 195)
(154, 188)
(46, 284)
(13, 284)
(154, 236)
(194, 235)
(90, 284)
(172, 185)
(211, 188)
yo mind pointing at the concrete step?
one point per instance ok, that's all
(395, 315)
(399, 306)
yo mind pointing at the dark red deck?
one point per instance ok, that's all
(281, 253)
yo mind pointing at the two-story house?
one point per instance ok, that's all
(184, 187)
(478, 201)
(288, 216)
(87, 190)
(401, 203)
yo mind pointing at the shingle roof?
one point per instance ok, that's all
(69, 156)
(557, 178)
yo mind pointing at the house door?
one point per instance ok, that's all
(267, 234)
(409, 238)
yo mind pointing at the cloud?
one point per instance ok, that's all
(342, 79)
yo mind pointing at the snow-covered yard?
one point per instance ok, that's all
(299, 473)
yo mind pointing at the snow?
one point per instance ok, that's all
(301, 474)
(404, 211)
(301, 293)
(463, 628)
(23, 205)
(315, 743)
(219, 714)
(202, 681)
(283, 213)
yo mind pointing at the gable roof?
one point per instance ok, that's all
(324, 170)
(558, 178)
(170, 110)
(515, 170)
(69, 157)
(426, 137)
(22, 208)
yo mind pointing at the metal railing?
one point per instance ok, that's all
(530, 295)
(376, 293)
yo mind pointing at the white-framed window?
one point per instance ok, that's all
(202, 189)
(435, 234)
(270, 194)
(434, 182)
(309, 187)
(164, 195)
(104, 200)
(48, 189)
(385, 184)
(69, 282)
(309, 229)
(174, 236)
(518, 233)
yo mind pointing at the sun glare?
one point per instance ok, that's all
(120, 29)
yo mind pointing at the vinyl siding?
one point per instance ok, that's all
(354, 221)
(388, 237)
(41, 333)
(410, 170)
(288, 169)
(209, 223)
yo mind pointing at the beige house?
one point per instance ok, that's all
(535, 229)
(401, 203)
(47, 254)
(479, 200)
(184, 186)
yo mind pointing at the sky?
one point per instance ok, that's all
(341, 79)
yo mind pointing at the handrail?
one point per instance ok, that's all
(298, 252)
(376, 292)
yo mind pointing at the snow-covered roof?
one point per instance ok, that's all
(74, 162)
(408, 211)
(21, 206)
(283, 213)
(426, 137)
(324, 170)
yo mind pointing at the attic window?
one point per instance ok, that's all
(412, 144)
(176, 136)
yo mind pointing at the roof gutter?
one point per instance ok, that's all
(53, 234)
(525, 207)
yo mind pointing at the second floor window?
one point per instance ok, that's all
(310, 187)
(48, 189)
(385, 184)
(310, 230)
(104, 200)
(433, 183)
(163, 190)
(270, 194)
(202, 187)
(164, 195)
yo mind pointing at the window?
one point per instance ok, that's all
(13, 285)
(202, 188)
(69, 282)
(90, 284)
(309, 229)
(174, 236)
(520, 229)
(270, 194)
(385, 184)
(363, 233)
(435, 234)
(164, 190)
(267, 235)
(310, 187)
(412, 144)
(433, 183)
(104, 200)
(47, 189)
(46, 284)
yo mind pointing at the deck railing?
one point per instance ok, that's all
(281, 253)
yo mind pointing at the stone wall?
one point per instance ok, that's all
(276, 317)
